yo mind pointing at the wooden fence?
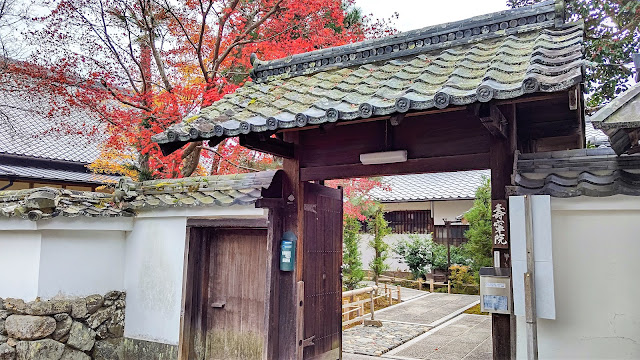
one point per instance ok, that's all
(358, 308)
(421, 283)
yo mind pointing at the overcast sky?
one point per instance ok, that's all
(415, 14)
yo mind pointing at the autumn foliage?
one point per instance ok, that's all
(142, 65)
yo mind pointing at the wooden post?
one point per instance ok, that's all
(431, 286)
(399, 296)
(373, 307)
(529, 285)
(501, 160)
(419, 284)
(449, 287)
(288, 302)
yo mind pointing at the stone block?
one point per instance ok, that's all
(16, 306)
(71, 354)
(81, 337)
(49, 307)
(4, 314)
(79, 308)
(3, 329)
(112, 295)
(3, 339)
(7, 352)
(29, 327)
(111, 349)
(63, 325)
(99, 317)
(45, 349)
(94, 302)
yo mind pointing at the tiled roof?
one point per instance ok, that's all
(621, 112)
(220, 190)
(27, 129)
(28, 172)
(588, 172)
(497, 56)
(595, 136)
(132, 197)
(47, 203)
(436, 186)
(619, 117)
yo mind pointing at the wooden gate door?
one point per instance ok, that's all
(321, 272)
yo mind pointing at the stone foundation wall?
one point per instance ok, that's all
(66, 329)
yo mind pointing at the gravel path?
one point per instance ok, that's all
(370, 340)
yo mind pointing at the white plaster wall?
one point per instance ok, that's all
(81, 263)
(595, 259)
(19, 264)
(153, 279)
(395, 262)
(403, 206)
(449, 210)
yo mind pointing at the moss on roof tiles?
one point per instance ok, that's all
(499, 59)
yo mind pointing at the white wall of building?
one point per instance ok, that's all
(19, 264)
(449, 210)
(596, 249)
(81, 262)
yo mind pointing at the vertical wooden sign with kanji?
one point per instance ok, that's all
(499, 224)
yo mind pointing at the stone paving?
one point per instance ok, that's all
(467, 337)
(408, 332)
(427, 310)
(370, 340)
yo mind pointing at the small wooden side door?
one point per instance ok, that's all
(321, 271)
(236, 294)
(225, 292)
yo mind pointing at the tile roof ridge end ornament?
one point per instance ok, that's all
(547, 14)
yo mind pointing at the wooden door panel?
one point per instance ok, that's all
(236, 294)
(322, 260)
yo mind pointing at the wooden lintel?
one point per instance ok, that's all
(266, 144)
(423, 165)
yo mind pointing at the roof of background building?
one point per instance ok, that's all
(36, 143)
(622, 114)
(595, 136)
(426, 187)
(502, 55)
(131, 197)
(35, 174)
(26, 128)
(570, 173)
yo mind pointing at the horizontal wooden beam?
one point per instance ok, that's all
(235, 223)
(266, 144)
(411, 166)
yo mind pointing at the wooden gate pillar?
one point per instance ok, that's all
(293, 208)
(502, 152)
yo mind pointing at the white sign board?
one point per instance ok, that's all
(542, 249)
